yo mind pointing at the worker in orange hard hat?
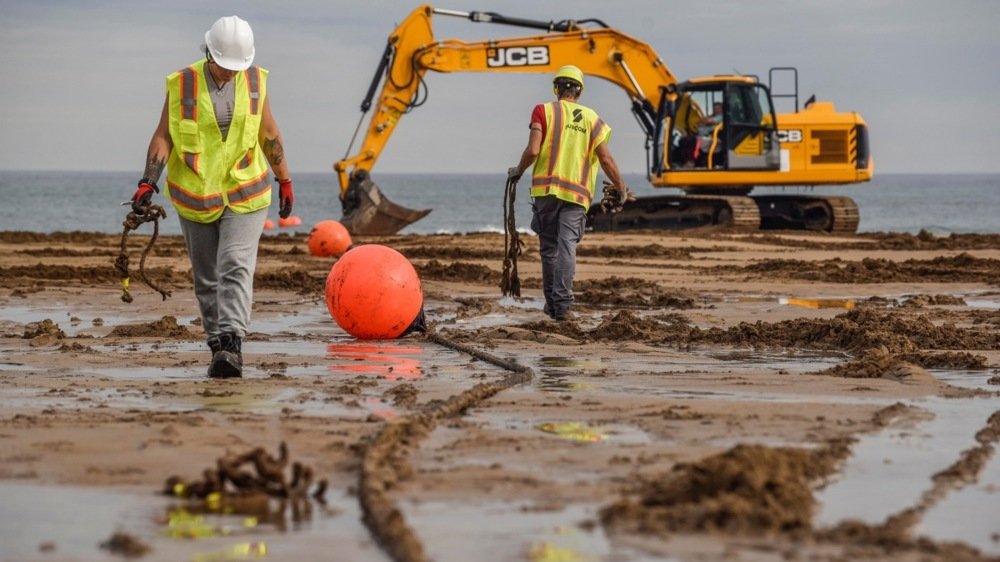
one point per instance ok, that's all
(217, 137)
(566, 142)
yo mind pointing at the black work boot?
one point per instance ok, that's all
(227, 362)
(215, 346)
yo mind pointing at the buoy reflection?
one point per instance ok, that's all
(385, 360)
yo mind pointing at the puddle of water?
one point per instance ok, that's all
(983, 303)
(304, 320)
(977, 379)
(73, 324)
(793, 361)
(514, 531)
(970, 514)
(567, 429)
(888, 471)
(571, 363)
(555, 381)
(390, 360)
(74, 521)
(575, 431)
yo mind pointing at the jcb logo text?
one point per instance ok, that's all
(790, 135)
(517, 56)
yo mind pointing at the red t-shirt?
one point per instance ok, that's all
(538, 116)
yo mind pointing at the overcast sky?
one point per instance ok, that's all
(83, 80)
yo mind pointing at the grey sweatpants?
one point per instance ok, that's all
(559, 225)
(223, 258)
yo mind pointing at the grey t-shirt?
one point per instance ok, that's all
(223, 101)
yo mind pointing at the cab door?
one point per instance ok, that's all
(750, 131)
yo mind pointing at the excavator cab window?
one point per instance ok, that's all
(752, 139)
(717, 125)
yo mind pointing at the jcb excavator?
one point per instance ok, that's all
(716, 162)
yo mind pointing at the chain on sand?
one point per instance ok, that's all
(153, 214)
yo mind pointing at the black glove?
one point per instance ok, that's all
(513, 174)
(143, 197)
(285, 198)
(614, 198)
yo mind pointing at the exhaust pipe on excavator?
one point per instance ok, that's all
(368, 211)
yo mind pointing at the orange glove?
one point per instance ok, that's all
(143, 197)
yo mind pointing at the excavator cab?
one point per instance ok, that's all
(715, 125)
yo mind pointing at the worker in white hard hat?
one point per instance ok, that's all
(217, 137)
(566, 142)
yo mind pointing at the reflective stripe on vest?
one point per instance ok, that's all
(249, 190)
(555, 134)
(547, 185)
(594, 135)
(253, 86)
(180, 196)
(189, 93)
(189, 107)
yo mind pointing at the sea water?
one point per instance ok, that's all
(462, 203)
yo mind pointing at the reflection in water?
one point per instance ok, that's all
(380, 409)
(220, 515)
(574, 431)
(241, 551)
(555, 381)
(383, 359)
(818, 303)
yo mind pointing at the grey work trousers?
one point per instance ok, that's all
(223, 258)
(559, 225)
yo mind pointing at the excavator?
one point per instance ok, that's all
(715, 162)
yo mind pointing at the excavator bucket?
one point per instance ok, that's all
(368, 211)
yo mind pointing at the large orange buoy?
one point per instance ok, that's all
(328, 238)
(373, 292)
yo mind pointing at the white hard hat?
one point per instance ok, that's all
(230, 43)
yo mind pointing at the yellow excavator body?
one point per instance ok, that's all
(749, 145)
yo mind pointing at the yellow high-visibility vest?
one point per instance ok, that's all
(567, 162)
(204, 173)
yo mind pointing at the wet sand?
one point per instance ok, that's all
(718, 396)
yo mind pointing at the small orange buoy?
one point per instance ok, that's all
(373, 292)
(289, 221)
(328, 238)
(268, 224)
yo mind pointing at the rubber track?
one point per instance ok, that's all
(845, 214)
(746, 215)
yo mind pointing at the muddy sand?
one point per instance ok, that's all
(718, 396)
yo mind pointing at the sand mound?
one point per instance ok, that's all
(748, 489)
(165, 327)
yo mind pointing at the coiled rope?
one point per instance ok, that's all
(153, 214)
(510, 284)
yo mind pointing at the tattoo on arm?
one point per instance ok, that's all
(273, 150)
(154, 167)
